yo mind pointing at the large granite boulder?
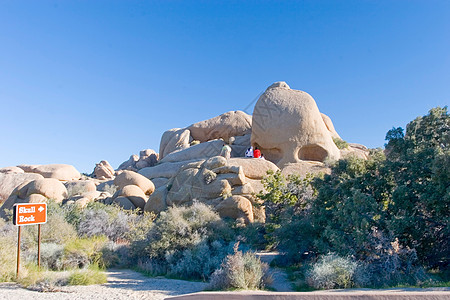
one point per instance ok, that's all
(173, 140)
(288, 127)
(229, 124)
(9, 181)
(199, 151)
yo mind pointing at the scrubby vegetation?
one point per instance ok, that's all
(387, 216)
(380, 222)
(241, 271)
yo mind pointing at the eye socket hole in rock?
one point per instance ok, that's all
(312, 152)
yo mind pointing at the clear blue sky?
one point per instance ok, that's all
(82, 81)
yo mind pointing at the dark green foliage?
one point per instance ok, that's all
(341, 144)
(391, 212)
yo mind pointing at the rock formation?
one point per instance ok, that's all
(287, 126)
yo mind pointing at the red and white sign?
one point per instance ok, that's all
(30, 214)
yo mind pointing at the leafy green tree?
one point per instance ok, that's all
(419, 161)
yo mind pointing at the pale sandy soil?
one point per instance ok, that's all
(122, 284)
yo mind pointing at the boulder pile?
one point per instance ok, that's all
(286, 125)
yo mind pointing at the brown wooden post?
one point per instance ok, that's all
(18, 251)
(39, 247)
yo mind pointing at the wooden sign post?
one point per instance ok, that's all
(29, 214)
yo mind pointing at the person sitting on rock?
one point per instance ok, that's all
(249, 152)
(256, 153)
(226, 151)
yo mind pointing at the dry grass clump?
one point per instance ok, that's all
(241, 271)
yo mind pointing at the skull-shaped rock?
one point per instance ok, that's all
(288, 127)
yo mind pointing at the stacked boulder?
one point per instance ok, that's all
(287, 126)
(216, 181)
(134, 190)
(146, 158)
(35, 184)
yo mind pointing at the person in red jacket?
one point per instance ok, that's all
(256, 153)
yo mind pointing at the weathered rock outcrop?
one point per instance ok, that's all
(61, 172)
(173, 140)
(125, 178)
(288, 127)
(221, 183)
(229, 124)
(9, 181)
(39, 190)
(8, 170)
(103, 170)
(146, 158)
(199, 151)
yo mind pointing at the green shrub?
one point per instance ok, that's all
(341, 144)
(82, 252)
(87, 276)
(240, 271)
(181, 228)
(184, 242)
(332, 272)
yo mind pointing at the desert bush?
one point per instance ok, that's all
(52, 256)
(181, 228)
(113, 222)
(8, 248)
(42, 280)
(240, 271)
(331, 272)
(57, 230)
(87, 276)
(198, 262)
(184, 242)
(82, 252)
(340, 143)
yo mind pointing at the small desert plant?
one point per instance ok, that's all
(52, 256)
(41, 280)
(82, 252)
(341, 144)
(199, 262)
(7, 258)
(56, 230)
(87, 276)
(240, 271)
(332, 271)
(110, 188)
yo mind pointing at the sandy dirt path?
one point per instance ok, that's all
(122, 284)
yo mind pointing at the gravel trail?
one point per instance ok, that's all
(122, 284)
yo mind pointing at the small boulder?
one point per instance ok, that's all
(103, 170)
(173, 140)
(132, 178)
(157, 201)
(254, 168)
(134, 194)
(124, 202)
(236, 207)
